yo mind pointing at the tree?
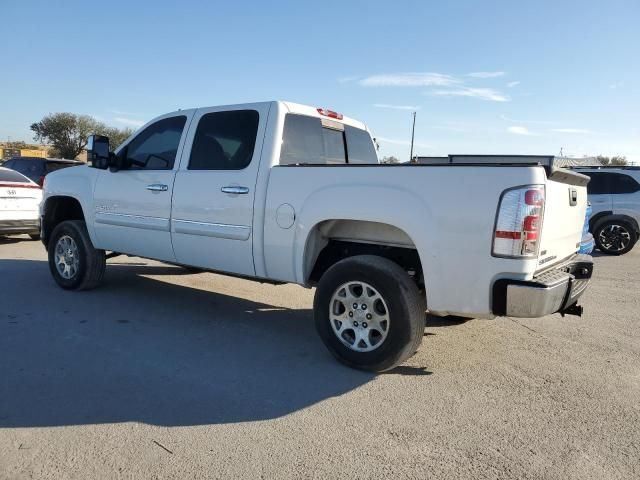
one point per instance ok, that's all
(67, 133)
(614, 161)
(116, 135)
(390, 159)
(16, 144)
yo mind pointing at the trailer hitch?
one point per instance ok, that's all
(574, 309)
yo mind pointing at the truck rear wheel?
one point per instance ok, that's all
(74, 263)
(369, 313)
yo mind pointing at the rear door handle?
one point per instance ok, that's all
(235, 189)
(157, 187)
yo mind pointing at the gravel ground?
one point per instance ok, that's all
(165, 374)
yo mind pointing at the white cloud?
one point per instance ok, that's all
(616, 85)
(481, 93)
(130, 121)
(405, 143)
(450, 85)
(397, 107)
(347, 79)
(571, 130)
(409, 80)
(485, 74)
(536, 122)
(116, 111)
(513, 84)
(521, 131)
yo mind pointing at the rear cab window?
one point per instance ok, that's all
(53, 166)
(11, 176)
(28, 166)
(311, 140)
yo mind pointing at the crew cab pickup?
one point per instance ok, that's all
(281, 192)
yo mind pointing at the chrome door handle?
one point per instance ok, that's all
(234, 189)
(157, 187)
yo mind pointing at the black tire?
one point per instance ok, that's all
(610, 236)
(34, 236)
(91, 262)
(193, 270)
(405, 304)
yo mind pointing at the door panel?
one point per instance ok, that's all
(601, 202)
(133, 206)
(212, 210)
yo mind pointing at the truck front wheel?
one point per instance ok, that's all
(74, 263)
(369, 313)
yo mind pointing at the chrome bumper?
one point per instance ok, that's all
(19, 226)
(556, 290)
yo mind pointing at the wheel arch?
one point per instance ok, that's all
(603, 217)
(59, 208)
(332, 240)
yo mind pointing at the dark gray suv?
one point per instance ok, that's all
(37, 168)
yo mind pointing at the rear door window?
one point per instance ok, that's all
(224, 140)
(598, 184)
(604, 183)
(621, 183)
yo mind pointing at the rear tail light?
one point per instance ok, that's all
(41, 181)
(520, 213)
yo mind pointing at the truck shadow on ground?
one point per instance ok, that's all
(145, 350)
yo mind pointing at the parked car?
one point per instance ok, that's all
(614, 193)
(37, 168)
(19, 204)
(280, 192)
(587, 244)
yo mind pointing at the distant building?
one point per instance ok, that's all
(10, 150)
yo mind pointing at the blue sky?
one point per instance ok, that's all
(484, 76)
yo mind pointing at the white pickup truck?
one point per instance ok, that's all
(281, 192)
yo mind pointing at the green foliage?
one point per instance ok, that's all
(18, 144)
(67, 133)
(390, 159)
(616, 160)
(116, 135)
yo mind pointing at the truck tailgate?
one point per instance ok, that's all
(564, 214)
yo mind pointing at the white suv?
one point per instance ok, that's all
(614, 193)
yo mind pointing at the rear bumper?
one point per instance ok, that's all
(556, 290)
(19, 226)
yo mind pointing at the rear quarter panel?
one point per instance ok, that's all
(448, 212)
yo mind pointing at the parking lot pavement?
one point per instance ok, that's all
(165, 374)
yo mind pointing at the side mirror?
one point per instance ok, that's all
(98, 151)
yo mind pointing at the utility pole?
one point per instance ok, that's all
(413, 131)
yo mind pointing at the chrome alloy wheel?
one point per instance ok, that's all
(614, 237)
(359, 316)
(67, 257)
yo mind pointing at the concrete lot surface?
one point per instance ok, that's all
(165, 374)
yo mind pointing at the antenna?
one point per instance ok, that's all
(413, 131)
